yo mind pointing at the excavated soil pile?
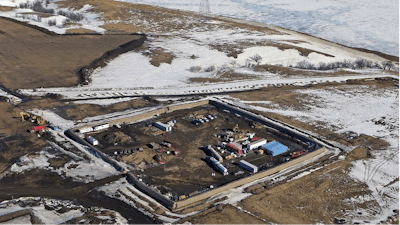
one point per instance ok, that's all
(118, 137)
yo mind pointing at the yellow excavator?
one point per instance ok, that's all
(236, 128)
(25, 116)
(34, 119)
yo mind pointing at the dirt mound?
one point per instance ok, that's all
(118, 137)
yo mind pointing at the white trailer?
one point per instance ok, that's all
(92, 141)
(256, 144)
(214, 153)
(84, 130)
(219, 166)
(101, 127)
(163, 126)
(248, 166)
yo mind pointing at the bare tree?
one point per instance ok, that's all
(256, 58)
(195, 69)
(387, 65)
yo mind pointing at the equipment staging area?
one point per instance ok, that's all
(173, 153)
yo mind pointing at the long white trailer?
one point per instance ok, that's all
(214, 153)
(219, 166)
(248, 166)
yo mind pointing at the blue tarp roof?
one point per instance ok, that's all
(275, 147)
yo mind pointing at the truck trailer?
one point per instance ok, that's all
(219, 166)
(248, 166)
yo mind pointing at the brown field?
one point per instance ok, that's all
(31, 59)
(72, 111)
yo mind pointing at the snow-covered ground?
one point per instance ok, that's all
(135, 70)
(78, 168)
(355, 108)
(357, 23)
(46, 210)
(189, 89)
(90, 21)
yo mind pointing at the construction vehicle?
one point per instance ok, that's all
(227, 157)
(38, 129)
(15, 101)
(34, 119)
(236, 128)
(166, 144)
(298, 153)
(25, 116)
(40, 120)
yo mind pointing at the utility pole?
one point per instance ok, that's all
(204, 11)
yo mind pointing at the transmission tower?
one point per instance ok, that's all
(204, 10)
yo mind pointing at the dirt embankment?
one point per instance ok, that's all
(33, 57)
(85, 72)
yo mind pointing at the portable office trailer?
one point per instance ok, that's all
(86, 130)
(164, 127)
(248, 166)
(256, 144)
(219, 166)
(101, 127)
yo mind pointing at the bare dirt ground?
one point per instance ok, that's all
(15, 140)
(74, 111)
(189, 140)
(42, 60)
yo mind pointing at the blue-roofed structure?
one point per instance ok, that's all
(275, 148)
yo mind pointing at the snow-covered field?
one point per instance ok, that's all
(90, 21)
(357, 23)
(355, 109)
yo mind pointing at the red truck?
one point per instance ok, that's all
(39, 129)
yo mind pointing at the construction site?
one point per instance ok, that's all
(189, 149)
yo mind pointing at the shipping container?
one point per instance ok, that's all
(92, 141)
(86, 129)
(101, 127)
(256, 144)
(248, 166)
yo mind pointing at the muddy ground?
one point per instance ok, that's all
(43, 60)
(15, 142)
(189, 171)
